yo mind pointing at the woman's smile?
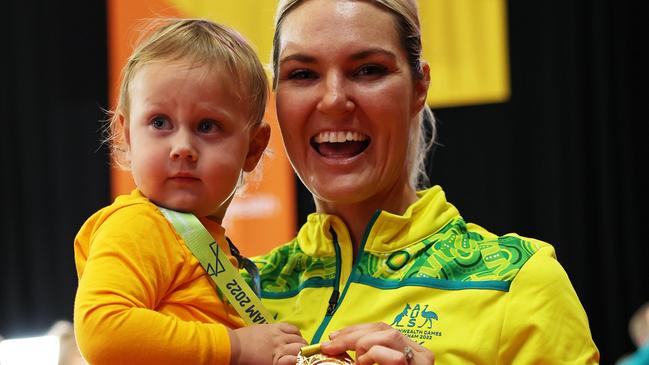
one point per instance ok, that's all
(340, 144)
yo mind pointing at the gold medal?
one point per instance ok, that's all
(310, 355)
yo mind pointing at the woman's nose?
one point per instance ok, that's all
(335, 99)
(183, 148)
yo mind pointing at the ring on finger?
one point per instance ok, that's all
(408, 353)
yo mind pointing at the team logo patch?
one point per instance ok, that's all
(417, 322)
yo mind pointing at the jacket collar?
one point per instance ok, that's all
(386, 232)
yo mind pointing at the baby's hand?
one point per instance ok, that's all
(265, 344)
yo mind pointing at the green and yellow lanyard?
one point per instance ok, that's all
(217, 265)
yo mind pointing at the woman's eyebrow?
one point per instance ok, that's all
(371, 52)
(304, 58)
(300, 57)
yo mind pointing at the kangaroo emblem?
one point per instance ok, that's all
(397, 319)
(429, 315)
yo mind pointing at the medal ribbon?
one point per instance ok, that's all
(217, 265)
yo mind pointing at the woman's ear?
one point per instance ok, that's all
(421, 87)
(259, 137)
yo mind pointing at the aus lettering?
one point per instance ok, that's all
(238, 293)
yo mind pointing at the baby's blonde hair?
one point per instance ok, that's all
(199, 42)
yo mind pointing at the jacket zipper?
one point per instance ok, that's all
(335, 295)
(333, 299)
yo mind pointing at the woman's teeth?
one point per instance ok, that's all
(338, 137)
(340, 144)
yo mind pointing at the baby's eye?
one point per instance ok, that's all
(371, 70)
(160, 123)
(302, 74)
(208, 126)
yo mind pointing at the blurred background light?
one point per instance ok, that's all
(42, 350)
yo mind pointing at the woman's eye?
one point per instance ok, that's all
(301, 75)
(371, 70)
(207, 126)
(160, 123)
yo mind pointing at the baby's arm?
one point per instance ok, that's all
(124, 274)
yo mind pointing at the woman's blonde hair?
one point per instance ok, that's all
(199, 42)
(406, 19)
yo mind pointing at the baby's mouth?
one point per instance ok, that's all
(340, 144)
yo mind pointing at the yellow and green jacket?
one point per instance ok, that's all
(466, 294)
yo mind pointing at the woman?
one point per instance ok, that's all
(394, 274)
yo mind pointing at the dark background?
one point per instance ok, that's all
(561, 161)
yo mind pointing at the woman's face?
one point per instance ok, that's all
(346, 100)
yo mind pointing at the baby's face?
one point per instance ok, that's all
(188, 137)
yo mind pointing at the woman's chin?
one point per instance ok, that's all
(342, 191)
(363, 190)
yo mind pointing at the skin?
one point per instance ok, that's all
(361, 83)
(342, 75)
(189, 140)
(188, 137)
(376, 343)
(265, 344)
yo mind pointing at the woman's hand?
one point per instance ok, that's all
(378, 343)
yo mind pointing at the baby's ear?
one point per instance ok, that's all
(123, 125)
(259, 137)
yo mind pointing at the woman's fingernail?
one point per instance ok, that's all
(333, 334)
(326, 343)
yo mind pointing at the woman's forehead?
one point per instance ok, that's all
(323, 24)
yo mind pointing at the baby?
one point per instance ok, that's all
(188, 125)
